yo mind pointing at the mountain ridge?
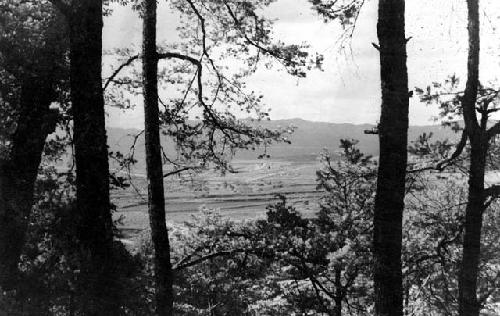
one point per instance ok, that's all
(308, 140)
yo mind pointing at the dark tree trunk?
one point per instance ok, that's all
(393, 135)
(91, 155)
(18, 173)
(468, 303)
(337, 311)
(156, 198)
(339, 295)
(478, 136)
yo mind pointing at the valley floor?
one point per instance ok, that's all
(241, 195)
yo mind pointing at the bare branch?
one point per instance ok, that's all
(204, 38)
(180, 56)
(171, 173)
(117, 71)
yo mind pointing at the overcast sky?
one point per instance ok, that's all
(348, 90)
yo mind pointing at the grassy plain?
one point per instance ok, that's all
(241, 195)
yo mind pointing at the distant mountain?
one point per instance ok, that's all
(308, 140)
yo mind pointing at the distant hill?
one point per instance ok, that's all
(309, 139)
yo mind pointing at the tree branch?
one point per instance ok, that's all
(456, 153)
(441, 165)
(171, 173)
(494, 130)
(237, 23)
(492, 191)
(213, 117)
(183, 265)
(117, 71)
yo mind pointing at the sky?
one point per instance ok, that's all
(348, 89)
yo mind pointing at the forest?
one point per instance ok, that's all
(212, 208)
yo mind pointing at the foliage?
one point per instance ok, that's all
(32, 45)
(448, 96)
(286, 264)
(433, 235)
(51, 261)
(345, 12)
(205, 96)
(283, 264)
(476, 105)
(216, 269)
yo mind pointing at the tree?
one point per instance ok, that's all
(156, 199)
(477, 132)
(480, 134)
(393, 138)
(433, 233)
(32, 48)
(393, 134)
(84, 19)
(479, 138)
(326, 260)
(209, 140)
(199, 114)
(346, 213)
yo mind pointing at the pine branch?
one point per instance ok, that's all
(267, 51)
(441, 165)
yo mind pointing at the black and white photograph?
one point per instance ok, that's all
(249, 157)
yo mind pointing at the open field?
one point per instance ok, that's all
(291, 171)
(240, 195)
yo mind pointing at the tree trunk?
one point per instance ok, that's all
(156, 198)
(339, 295)
(19, 172)
(91, 155)
(468, 303)
(393, 135)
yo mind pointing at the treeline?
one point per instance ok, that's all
(383, 242)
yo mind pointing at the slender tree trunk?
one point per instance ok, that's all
(156, 198)
(393, 135)
(338, 292)
(468, 303)
(19, 172)
(91, 155)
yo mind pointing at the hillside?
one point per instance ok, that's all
(309, 139)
